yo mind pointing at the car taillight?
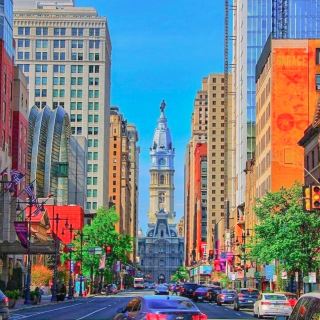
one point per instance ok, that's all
(265, 302)
(5, 300)
(200, 316)
(154, 316)
(240, 295)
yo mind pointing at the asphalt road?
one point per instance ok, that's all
(105, 308)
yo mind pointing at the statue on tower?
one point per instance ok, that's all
(162, 106)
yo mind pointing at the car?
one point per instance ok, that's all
(292, 298)
(307, 308)
(201, 294)
(245, 298)
(226, 296)
(187, 289)
(213, 293)
(161, 289)
(110, 289)
(160, 307)
(272, 304)
(4, 306)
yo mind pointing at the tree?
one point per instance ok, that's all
(100, 233)
(286, 232)
(40, 275)
(181, 274)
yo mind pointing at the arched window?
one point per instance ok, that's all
(161, 179)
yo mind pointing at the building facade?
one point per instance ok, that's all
(119, 186)
(134, 153)
(20, 106)
(253, 23)
(195, 196)
(161, 251)
(288, 88)
(65, 53)
(50, 156)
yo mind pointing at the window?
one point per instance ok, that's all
(41, 31)
(78, 32)
(77, 44)
(94, 56)
(41, 43)
(59, 68)
(59, 43)
(94, 44)
(93, 69)
(59, 31)
(41, 67)
(94, 32)
(77, 56)
(76, 69)
(59, 56)
(23, 43)
(41, 55)
(23, 55)
(23, 31)
(317, 81)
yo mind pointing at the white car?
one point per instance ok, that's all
(272, 304)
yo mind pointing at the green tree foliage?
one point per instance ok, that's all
(286, 232)
(180, 275)
(100, 233)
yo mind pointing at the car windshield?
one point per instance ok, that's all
(228, 291)
(162, 287)
(248, 291)
(275, 297)
(191, 286)
(171, 304)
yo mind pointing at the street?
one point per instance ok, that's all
(104, 308)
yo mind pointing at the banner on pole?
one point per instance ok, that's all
(21, 228)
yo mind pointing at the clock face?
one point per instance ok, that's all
(162, 161)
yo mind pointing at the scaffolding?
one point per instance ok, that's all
(280, 12)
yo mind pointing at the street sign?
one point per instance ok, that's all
(70, 245)
(284, 275)
(95, 250)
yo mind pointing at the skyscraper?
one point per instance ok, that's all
(254, 20)
(65, 52)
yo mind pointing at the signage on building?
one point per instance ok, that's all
(284, 275)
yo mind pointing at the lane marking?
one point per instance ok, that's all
(90, 314)
(237, 313)
(48, 311)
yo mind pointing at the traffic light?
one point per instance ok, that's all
(315, 197)
(108, 251)
(307, 198)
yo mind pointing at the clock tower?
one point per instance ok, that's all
(162, 171)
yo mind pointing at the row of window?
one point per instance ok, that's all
(78, 118)
(61, 68)
(91, 205)
(61, 93)
(57, 56)
(58, 44)
(44, 31)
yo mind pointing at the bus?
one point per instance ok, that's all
(138, 283)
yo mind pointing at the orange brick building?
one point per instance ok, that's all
(288, 87)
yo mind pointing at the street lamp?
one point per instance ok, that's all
(56, 219)
(70, 229)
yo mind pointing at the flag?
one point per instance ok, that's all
(29, 190)
(37, 211)
(16, 176)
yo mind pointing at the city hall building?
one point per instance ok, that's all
(161, 251)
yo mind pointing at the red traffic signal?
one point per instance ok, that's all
(108, 250)
(315, 197)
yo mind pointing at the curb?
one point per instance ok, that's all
(48, 304)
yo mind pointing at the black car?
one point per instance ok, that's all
(245, 298)
(187, 289)
(160, 307)
(226, 296)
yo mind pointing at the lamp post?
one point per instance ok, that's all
(56, 219)
(70, 229)
(81, 235)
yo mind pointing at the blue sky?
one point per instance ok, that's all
(161, 49)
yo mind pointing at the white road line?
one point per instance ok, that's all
(89, 314)
(238, 314)
(48, 311)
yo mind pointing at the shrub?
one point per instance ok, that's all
(12, 294)
(40, 275)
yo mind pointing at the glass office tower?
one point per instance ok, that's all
(253, 23)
